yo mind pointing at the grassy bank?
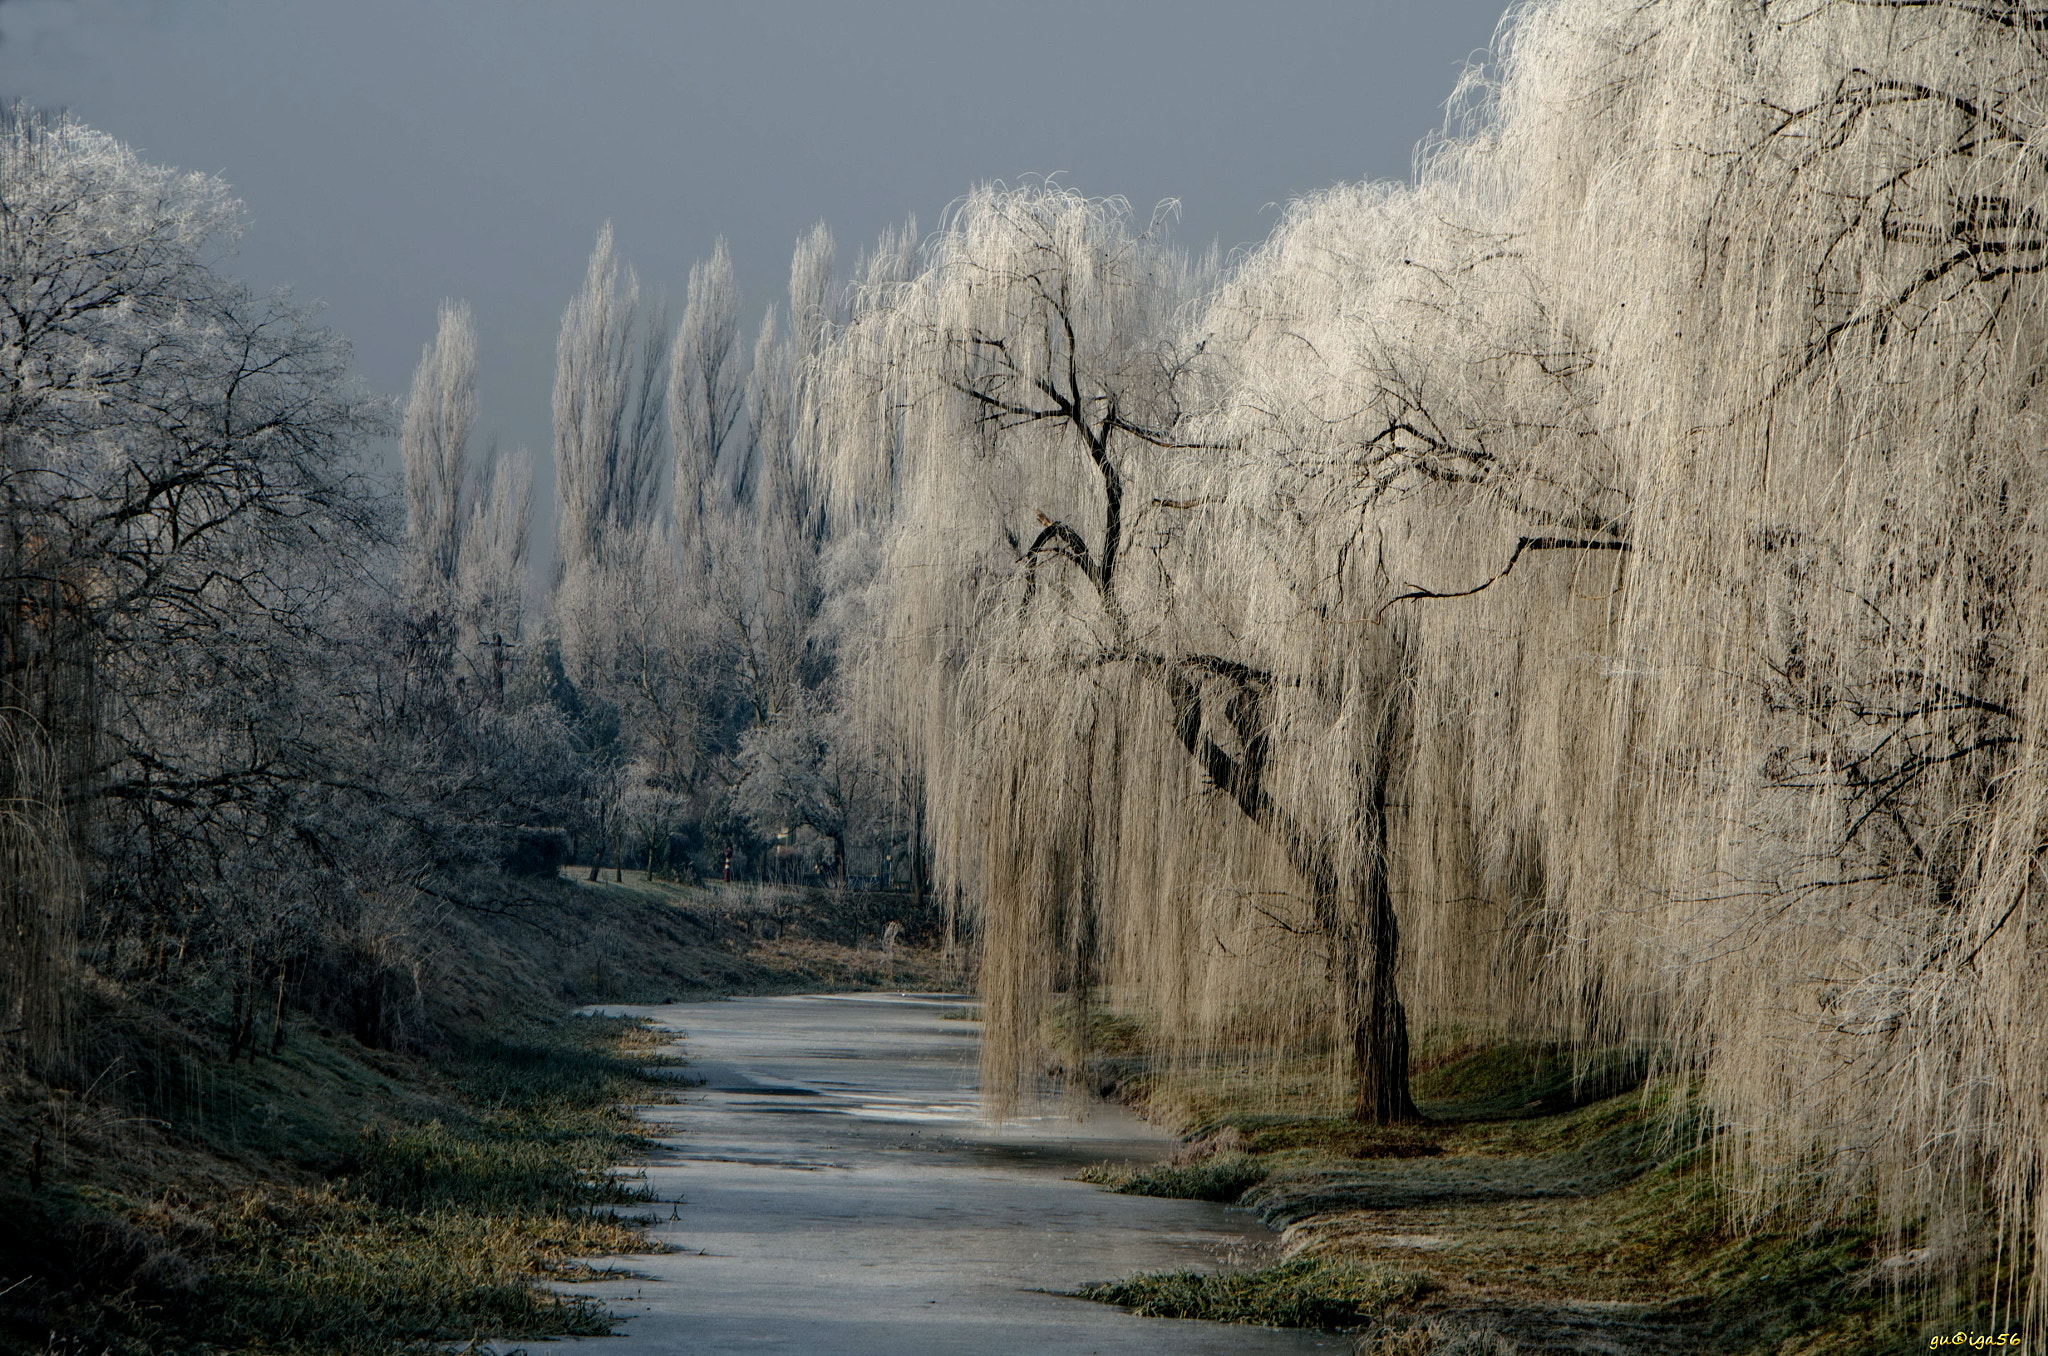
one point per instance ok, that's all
(1542, 1206)
(324, 1194)
(329, 1198)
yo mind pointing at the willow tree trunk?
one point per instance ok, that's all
(1357, 916)
(1379, 1023)
(1364, 940)
(1369, 942)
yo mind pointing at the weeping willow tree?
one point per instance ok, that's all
(1414, 518)
(1688, 406)
(1599, 576)
(1800, 249)
(1130, 775)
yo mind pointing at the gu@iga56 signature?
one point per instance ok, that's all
(1976, 1339)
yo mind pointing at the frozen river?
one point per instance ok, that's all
(839, 1193)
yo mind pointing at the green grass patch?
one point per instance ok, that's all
(321, 1271)
(1337, 1137)
(434, 1232)
(1306, 1292)
(1547, 1190)
(543, 1129)
(1223, 1178)
(1506, 1079)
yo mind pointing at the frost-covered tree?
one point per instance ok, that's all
(1805, 264)
(491, 566)
(707, 395)
(608, 461)
(1682, 412)
(789, 527)
(748, 525)
(1052, 562)
(182, 503)
(1421, 503)
(467, 524)
(804, 770)
(433, 445)
(813, 301)
(714, 474)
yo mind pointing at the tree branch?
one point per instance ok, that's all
(1521, 545)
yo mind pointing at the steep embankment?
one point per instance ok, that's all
(395, 1162)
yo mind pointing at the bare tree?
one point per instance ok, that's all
(182, 501)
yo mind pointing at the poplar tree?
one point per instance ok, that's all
(433, 445)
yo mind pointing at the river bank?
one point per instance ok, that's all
(394, 1185)
(1546, 1204)
(395, 1157)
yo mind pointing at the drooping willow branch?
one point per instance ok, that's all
(1240, 776)
(1096, 421)
(2022, 17)
(1522, 544)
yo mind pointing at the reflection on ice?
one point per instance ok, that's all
(969, 1112)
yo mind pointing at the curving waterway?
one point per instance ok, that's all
(835, 1190)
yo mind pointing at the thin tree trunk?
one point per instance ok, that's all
(277, 1016)
(917, 863)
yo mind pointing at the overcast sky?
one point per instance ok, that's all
(395, 152)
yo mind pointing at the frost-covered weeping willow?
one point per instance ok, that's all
(1143, 777)
(1623, 542)
(1798, 254)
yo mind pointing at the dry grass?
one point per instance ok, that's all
(397, 1207)
(334, 1198)
(1600, 1226)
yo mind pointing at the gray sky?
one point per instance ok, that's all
(395, 152)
